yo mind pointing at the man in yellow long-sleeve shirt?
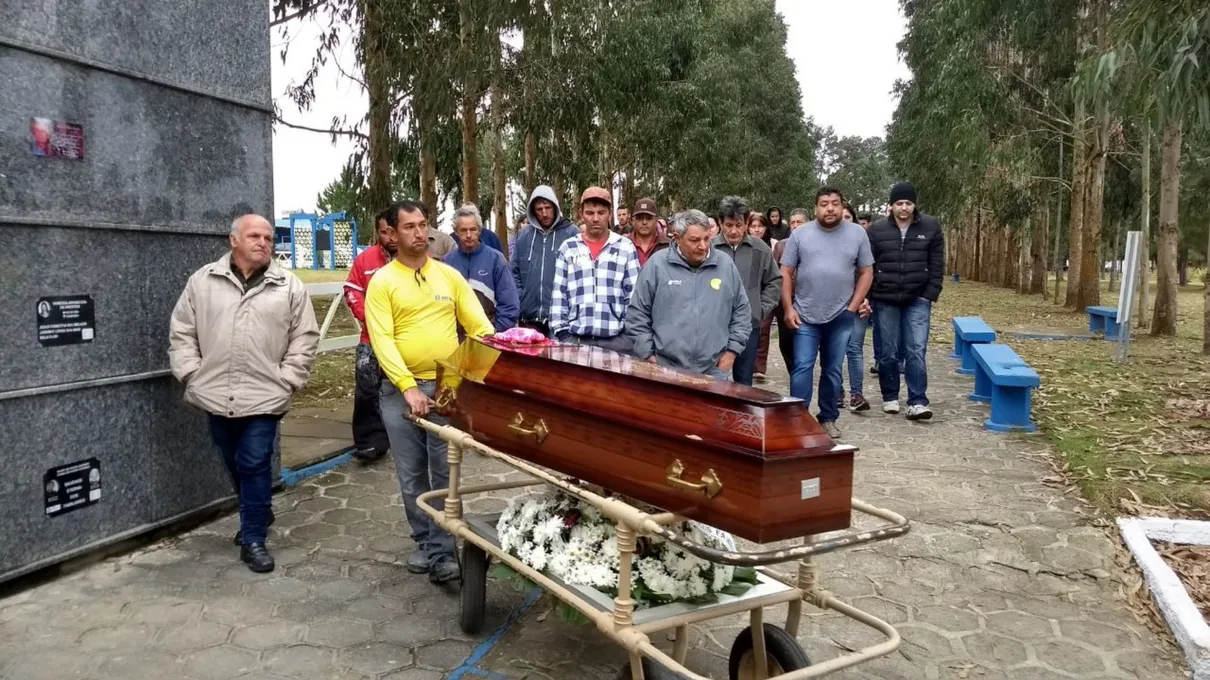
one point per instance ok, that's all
(413, 307)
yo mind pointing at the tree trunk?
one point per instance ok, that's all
(531, 159)
(628, 197)
(1037, 270)
(1116, 258)
(1206, 300)
(979, 245)
(499, 172)
(1089, 293)
(1024, 257)
(378, 89)
(1145, 240)
(470, 106)
(1058, 250)
(1163, 322)
(428, 167)
(1075, 232)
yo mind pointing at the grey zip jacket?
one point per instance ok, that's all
(532, 260)
(688, 317)
(761, 275)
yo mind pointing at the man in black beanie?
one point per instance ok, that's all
(909, 265)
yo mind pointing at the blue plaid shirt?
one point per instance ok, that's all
(590, 297)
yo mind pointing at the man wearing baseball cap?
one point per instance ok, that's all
(595, 273)
(645, 233)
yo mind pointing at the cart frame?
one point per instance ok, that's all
(618, 624)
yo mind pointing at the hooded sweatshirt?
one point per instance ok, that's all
(779, 231)
(687, 317)
(533, 258)
(485, 269)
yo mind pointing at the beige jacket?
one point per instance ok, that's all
(242, 354)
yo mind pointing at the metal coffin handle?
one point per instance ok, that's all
(539, 429)
(710, 486)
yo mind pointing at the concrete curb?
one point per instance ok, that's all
(1180, 613)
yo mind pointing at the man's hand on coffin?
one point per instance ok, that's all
(792, 319)
(418, 403)
(651, 359)
(726, 361)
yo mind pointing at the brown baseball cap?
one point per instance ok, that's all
(596, 194)
(645, 206)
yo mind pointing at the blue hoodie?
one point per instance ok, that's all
(533, 258)
(489, 277)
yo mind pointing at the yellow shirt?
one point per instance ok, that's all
(412, 317)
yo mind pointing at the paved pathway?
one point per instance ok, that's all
(309, 435)
(1000, 577)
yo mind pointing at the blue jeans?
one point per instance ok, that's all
(904, 330)
(745, 364)
(421, 464)
(855, 354)
(247, 446)
(827, 341)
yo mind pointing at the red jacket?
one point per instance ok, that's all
(369, 261)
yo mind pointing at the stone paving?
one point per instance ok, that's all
(1000, 577)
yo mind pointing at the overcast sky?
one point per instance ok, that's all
(844, 53)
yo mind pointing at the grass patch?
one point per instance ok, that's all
(321, 275)
(1134, 436)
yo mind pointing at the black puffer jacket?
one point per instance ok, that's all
(907, 268)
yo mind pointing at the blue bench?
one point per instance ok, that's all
(969, 331)
(1006, 381)
(1103, 320)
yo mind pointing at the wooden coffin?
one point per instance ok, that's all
(742, 459)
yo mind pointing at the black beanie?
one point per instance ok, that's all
(903, 191)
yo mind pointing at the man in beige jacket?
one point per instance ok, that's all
(242, 340)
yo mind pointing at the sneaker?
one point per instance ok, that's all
(760, 378)
(418, 562)
(858, 403)
(831, 430)
(840, 399)
(445, 571)
(919, 412)
(239, 535)
(890, 406)
(257, 557)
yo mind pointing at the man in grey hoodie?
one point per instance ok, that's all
(690, 309)
(533, 257)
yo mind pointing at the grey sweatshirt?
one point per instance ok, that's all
(761, 275)
(688, 317)
(533, 256)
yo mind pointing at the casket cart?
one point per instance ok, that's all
(474, 386)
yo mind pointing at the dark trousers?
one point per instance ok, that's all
(368, 431)
(745, 363)
(540, 326)
(619, 343)
(247, 447)
(785, 340)
(904, 332)
(762, 350)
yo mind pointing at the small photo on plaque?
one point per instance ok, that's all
(65, 320)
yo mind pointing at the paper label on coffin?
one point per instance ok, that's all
(739, 458)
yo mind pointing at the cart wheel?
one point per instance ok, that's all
(782, 650)
(474, 588)
(651, 671)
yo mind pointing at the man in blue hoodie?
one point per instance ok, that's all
(533, 257)
(484, 268)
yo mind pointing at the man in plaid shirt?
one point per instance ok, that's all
(595, 273)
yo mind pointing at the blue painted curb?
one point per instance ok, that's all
(291, 477)
(470, 664)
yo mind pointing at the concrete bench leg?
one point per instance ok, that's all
(1112, 328)
(1010, 410)
(1096, 323)
(969, 364)
(957, 353)
(983, 386)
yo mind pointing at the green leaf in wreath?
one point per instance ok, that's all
(744, 575)
(735, 588)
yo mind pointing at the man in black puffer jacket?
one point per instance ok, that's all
(909, 264)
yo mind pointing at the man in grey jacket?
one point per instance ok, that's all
(532, 257)
(242, 339)
(689, 308)
(761, 276)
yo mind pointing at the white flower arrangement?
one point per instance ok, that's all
(571, 540)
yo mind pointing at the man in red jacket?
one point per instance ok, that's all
(369, 436)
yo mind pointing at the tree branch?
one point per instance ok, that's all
(300, 13)
(330, 131)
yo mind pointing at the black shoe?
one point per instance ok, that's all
(257, 557)
(445, 571)
(239, 535)
(418, 562)
(368, 455)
